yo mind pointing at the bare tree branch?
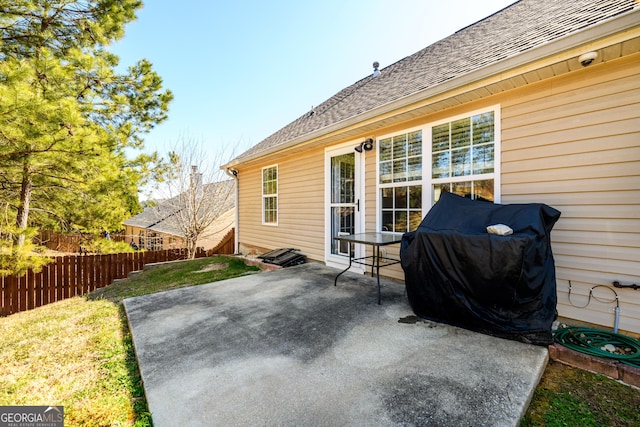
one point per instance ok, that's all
(197, 194)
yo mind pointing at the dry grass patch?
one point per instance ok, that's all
(213, 267)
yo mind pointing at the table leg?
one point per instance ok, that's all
(373, 260)
(377, 263)
(335, 282)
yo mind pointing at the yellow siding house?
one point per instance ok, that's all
(539, 102)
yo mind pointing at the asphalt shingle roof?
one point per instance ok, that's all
(515, 29)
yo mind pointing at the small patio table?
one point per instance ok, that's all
(374, 239)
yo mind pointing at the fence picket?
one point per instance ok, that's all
(59, 279)
(3, 296)
(22, 294)
(85, 274)
(13, 294)
(46, 284)
(37, 289)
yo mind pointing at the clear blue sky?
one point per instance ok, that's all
(242, 69)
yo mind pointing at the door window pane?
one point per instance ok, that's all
(342, 223)
(342, 178)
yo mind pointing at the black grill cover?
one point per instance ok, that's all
(457, 273)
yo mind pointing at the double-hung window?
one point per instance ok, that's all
(463, 157)
(270, 195)
(400, 181)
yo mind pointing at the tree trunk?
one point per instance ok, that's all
(191, 248)
(22, 217)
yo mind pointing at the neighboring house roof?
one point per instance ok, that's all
(159, 218)
(151, 216)
(518, 28)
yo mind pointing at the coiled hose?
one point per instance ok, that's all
(600, 343)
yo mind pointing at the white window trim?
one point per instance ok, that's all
(427, 180)
(497, 150)
(271, 224)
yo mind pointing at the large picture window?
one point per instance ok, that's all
(460, 155)
(270, 195)
(463, 157)
(400, 176)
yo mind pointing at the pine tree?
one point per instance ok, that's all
(68, 119)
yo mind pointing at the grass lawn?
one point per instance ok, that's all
(568, 396)
(79, 353)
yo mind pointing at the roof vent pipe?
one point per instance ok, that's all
(376, 72)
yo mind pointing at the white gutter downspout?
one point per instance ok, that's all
(236, 244)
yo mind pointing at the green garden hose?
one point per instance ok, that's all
(600, 343)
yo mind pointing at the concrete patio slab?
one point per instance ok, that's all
(288, 348)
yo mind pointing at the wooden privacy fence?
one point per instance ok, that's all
(226, 245)
(75, 275)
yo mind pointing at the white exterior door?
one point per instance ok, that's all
(344, 204)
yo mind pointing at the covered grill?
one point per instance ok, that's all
(456, 272)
